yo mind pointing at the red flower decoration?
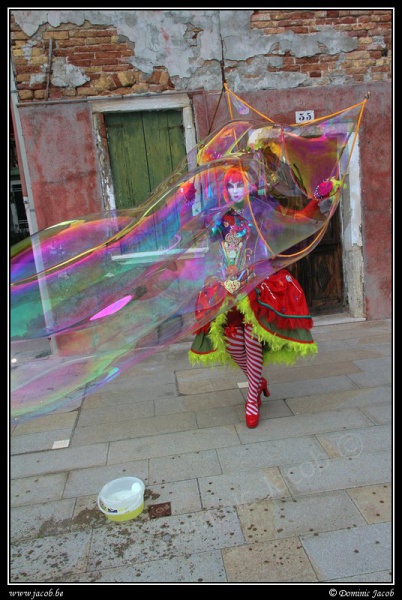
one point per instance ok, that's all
(324, 189)
(188, 192)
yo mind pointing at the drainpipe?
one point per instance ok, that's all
(22, 158)
(29, 205)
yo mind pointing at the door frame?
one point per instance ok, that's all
(351, 237)
(140, 103)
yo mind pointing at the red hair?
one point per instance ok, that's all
(234, 175)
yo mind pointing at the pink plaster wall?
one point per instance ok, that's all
(61, 155)
(63, 164)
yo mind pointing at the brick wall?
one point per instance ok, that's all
(371, 28)
(98, 57)
(97, 50)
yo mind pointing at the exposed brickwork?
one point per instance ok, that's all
(101, 57)
(98, 51)
(370, 62)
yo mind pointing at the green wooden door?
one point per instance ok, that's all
(144, 148)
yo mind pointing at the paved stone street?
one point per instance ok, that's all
(304, 497)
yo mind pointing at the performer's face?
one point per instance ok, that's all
(236, 190)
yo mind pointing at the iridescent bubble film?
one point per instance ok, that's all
(109, 289)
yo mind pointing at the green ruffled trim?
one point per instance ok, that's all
(276, 349)
(219, 354)
(208, 360)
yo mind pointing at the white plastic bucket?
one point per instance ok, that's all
(122, 499)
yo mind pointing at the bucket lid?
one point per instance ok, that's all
(122, 492)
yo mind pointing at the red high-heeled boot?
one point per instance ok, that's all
(263, 390)
(252, 415)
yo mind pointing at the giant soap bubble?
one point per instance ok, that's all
(110, 289)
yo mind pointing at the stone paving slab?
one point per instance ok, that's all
(151, 386)
(106, 414)
(168, 444)
(359, 550)
(45, 518)
(197, 568)
(55, 374)
(199, 384)
(327, 345)
(355, 330)
(184, 496)
(338, 473)
(184, 466)
(345, 354)
(294, 389)
(373, 372)
(134, 428)
(109, 396)
(375, 502)
(32, 490)
(381, 344)
(288, 517)
(148, 379)
(215, 417)
(164, 538)
(304, 424)
(53, 461)
(355, 441)
(277, 561)
(34, 442)
(68, 406)
(370, 332)
(331, 368)
(191, 374)
(239, 488)
(62, 554)
(355, 398)
(201, 381)
(380, 413)
(47, 423)
(81, 482)
(169, 406)
(210, 400)
(269, 454)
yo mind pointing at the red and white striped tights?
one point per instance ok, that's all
(246, 351)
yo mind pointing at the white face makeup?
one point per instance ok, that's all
(236, 190)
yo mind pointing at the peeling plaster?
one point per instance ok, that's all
(27, 49)
(184, 40)
(37, 78)
(31, 20)
(241, 81)
(66, 75)
(160, 36)
(298, 45)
